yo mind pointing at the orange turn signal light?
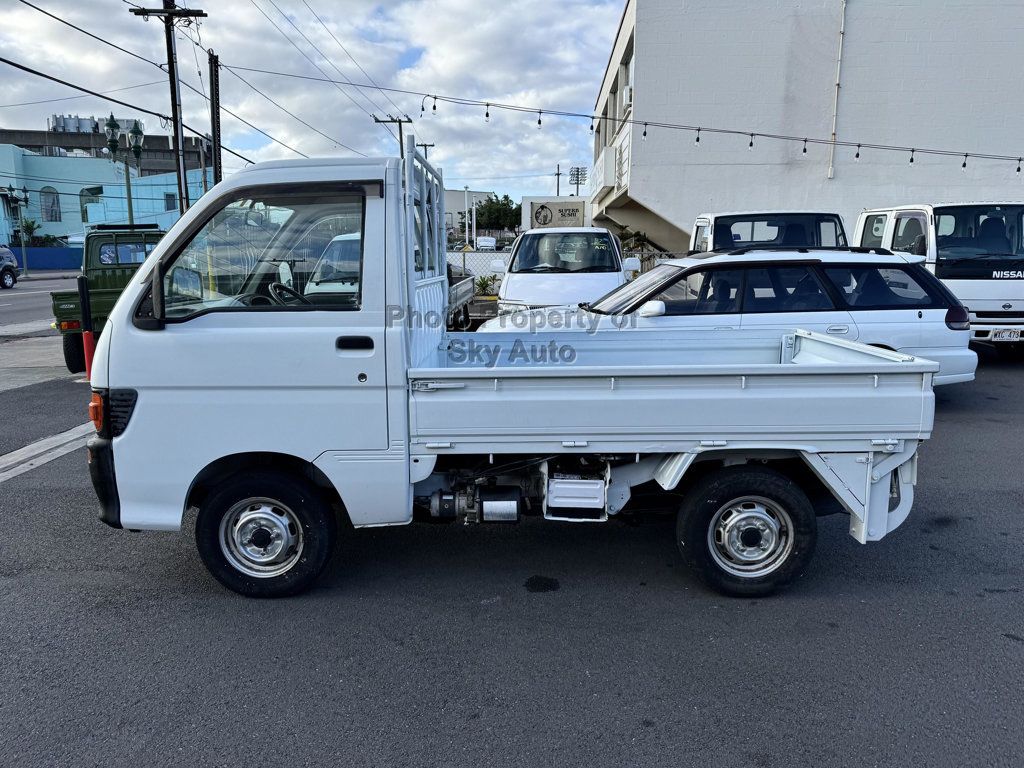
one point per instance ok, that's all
(96, 411)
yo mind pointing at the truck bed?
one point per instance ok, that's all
(678, 393)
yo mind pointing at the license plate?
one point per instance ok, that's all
(1007, 334)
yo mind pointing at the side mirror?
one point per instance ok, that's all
(497, 266)
(653, 308)
(187, 283)
(631, 264)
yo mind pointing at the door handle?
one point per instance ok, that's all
(838, 329)
(357, 343)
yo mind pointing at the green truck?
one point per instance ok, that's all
(111, 255)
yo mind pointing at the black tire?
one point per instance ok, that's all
(700, 525)
(8, 278)
(311, 522)
(74, 352)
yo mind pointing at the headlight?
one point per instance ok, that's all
(508, 307)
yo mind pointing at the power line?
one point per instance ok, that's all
(296, 117)
(306, 56)
(72, 98)
(83, 89)
(343, 48)
(83, 182)
(94, 37)
(103, 196)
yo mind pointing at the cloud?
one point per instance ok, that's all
(535, 52)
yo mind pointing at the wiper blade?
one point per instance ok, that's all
(542, 268)
(596, 269)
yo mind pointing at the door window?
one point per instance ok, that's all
(784, 289)
(874, 230)
(700, 239)
(271, 250)
(909, 235)
(125, 253)
(864, 286)
(711, 292)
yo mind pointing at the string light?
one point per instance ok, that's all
(964, 164)
(1018, 164)
(461, 101)
(805, 146)
(643, 136)
(487, 114)
(538, 119)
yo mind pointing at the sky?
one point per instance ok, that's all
(538, 53)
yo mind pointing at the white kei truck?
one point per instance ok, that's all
(284, 418)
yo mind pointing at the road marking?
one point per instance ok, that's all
(27, 293)
(44, 451)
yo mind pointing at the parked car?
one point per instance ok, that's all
(111, 254)
(976, 249)
(484, 243)
(783, 229)
(555, 266)
(878, 298)
(283, 426)
(8, 268)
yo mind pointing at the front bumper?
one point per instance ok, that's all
(100, 453)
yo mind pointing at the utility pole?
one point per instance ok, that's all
(169, 14)
(399, 121)
(558, 180)
(466, 208)
(425, 146)
(218, 168)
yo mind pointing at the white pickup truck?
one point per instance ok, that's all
(285, 419)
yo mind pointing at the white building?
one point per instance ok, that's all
(919, 73)
(67, 193)
(456, 202)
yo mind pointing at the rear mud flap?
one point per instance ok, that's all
(876, 487)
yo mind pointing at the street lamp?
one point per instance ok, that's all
(21, 200)
(133, 140)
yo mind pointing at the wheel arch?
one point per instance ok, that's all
(221, 469)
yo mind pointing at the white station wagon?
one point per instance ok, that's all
(872, 296)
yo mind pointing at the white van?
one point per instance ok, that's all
(976, 249)
(561, 266)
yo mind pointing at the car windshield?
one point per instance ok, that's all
(625, 296)
(565, 252)
(779, 230)
(340, 261)
(971, 233)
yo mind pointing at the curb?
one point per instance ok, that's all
(42, 275)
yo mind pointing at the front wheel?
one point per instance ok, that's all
(265, 534)
(7, 279)
(746, 531)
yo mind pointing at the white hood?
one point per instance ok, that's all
(559, 288)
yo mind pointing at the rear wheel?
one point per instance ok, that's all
(7, 279)
(746, 531)
(265, 534)
(74, 352)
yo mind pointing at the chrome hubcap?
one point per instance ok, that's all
(750, 536)
(261, 537)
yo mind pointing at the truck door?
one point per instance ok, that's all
(257, 353)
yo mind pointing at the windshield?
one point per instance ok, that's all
(775, 230)
(974, 240)
(565, 252)
(625, 296)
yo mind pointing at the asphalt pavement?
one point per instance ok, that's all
(532, 645)
(28, 302)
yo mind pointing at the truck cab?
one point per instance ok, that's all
(975, 249)
(766, 229)
(111, 254)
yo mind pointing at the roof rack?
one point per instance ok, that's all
(109, 227)
(808, 249)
